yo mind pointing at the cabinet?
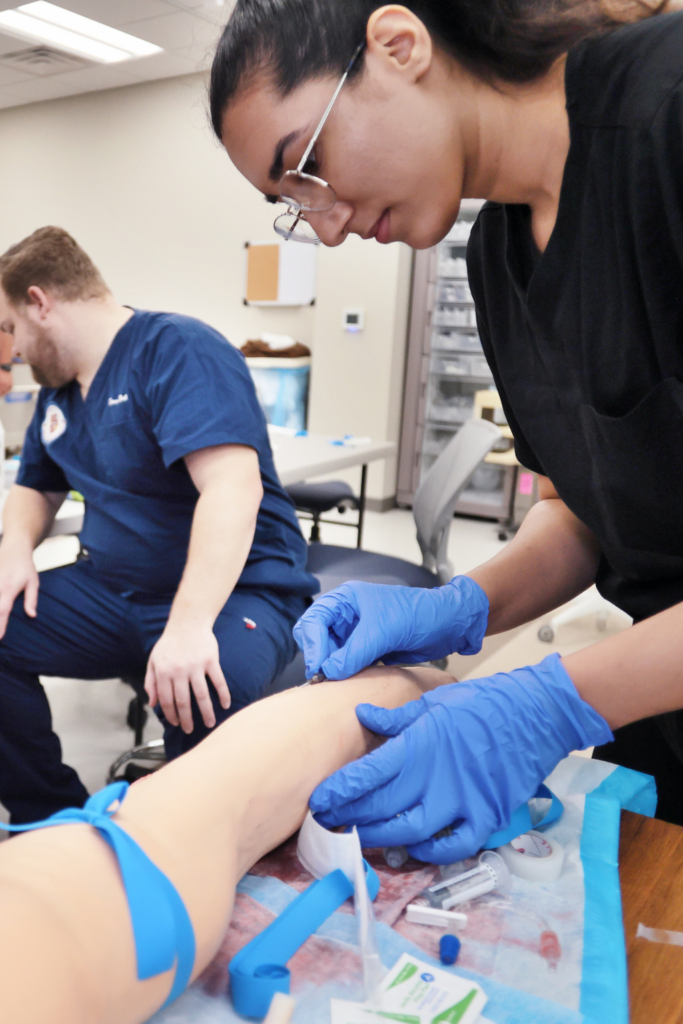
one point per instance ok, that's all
(445, 369)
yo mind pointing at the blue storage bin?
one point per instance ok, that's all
(282, 389)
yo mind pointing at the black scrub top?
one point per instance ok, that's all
(585, 341)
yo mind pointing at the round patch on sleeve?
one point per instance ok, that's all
(53, 425)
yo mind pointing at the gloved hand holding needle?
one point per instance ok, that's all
(359, 623)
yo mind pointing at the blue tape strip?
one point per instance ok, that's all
(162, 928)
(258, 971)
(520, 821)
(604, 984)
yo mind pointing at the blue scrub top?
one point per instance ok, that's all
(169, 385)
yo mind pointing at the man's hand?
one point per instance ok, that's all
(17, 574)
(183, 657)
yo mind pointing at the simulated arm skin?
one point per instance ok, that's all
(66, 947)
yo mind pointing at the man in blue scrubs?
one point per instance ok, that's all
(195, 565)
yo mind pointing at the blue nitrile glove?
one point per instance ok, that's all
(351, 627)
(464, 755)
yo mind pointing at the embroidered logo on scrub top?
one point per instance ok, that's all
(53, 425)
(117, 401)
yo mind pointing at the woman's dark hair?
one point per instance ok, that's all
(294, 41)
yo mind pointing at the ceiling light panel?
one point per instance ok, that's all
(47, 23)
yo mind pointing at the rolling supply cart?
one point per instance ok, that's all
(445, 372)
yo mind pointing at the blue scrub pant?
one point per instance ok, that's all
(86, 630)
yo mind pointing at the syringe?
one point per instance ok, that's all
(490, 873)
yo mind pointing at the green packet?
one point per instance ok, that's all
(416, 993)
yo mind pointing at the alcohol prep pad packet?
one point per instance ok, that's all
(416, 993)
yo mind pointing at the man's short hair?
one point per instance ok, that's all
(52, 260)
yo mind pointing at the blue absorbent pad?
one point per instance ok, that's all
(500, 949)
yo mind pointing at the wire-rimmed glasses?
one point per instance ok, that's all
(306, 193)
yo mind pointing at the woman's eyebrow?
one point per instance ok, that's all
(277, 166)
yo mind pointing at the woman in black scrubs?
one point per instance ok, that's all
(568, 118)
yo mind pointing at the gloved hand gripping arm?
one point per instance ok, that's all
(358, 623)
(465, 755)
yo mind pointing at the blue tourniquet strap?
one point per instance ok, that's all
(161, 924)
(520, 822)
(258, 971)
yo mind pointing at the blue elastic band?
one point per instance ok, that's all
(258, 971)
(161, 924)
(520, 821)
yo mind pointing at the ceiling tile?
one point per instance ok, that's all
(39, 89)
(187, 30)
(70, 83)
(7, 100)
(218, 13)
(111, 12)
(161, 65)
(10, 75)
(200, 57)
(175, 31)
(9, 44)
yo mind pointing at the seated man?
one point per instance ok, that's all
(194, 562)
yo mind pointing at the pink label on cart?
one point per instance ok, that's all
(526, 483)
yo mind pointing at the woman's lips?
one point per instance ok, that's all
(380, 229)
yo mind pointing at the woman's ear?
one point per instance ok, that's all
(400, 41)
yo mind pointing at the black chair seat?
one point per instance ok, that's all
(334, 565)
(322, 497)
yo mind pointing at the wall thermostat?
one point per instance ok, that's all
(353, 320)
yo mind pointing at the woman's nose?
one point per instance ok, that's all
(332, 226)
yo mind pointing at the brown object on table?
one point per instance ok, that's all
(262, 348)
(651, 873)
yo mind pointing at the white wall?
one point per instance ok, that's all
(357, 379)
(136, 176)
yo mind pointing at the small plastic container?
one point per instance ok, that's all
(455, 341)
(452, 266)
(282, 389)
(455, 291)
(480, 368)
(453, 366)
(395, 856)
(449, 949)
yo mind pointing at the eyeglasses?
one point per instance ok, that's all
(303, 192)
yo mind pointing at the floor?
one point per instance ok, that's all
(90, 717)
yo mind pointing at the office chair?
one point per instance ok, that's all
(125, 766)
(142, 758)
(433, 509)
(316, 498)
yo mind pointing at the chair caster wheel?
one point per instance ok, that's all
(136, 715)
(546, 634)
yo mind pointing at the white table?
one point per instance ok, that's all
(296, 459)
(69, 518)
(299, 458)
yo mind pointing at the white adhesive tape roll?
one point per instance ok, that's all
(534, 857)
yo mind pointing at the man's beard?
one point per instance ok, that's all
(49, 368)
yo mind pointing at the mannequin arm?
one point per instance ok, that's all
(66, 947)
